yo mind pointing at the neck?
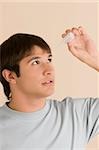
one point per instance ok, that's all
(26, 105)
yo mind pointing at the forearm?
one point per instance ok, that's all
(91, 61)
(94, 63)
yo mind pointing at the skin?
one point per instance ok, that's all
(83, 47)
(28, 91)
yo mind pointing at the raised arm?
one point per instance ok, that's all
(83, 47)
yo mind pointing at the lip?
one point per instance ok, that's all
(48, 82)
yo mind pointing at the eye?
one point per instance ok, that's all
(35, 62)
(50, 59)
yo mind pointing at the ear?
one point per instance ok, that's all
(9, 76)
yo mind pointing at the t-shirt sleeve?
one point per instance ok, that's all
(93, 118)
(89, 111)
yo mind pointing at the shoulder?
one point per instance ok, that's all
(79, 104)
(76, 101)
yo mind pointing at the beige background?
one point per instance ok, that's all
(49, 20)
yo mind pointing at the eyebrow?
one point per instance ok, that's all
(37, 57)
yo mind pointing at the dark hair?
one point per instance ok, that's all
(13, 50)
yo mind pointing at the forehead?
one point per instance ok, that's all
(36, 50)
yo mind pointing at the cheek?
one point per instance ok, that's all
(31, 76)
(28, 83)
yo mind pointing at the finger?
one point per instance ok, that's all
(82, 30)
(63, 35)
(76, 31)
(67, 31)
(83, 33)
(73, 50)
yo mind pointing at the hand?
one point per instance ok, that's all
(83, 47)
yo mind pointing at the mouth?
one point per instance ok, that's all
(48, 82)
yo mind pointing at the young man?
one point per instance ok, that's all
(30, 121)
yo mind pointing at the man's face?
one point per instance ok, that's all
(36, 74)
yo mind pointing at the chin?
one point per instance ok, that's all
(48, 93)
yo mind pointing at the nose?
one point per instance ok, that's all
(48, 69)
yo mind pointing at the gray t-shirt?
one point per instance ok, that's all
(65, 125)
